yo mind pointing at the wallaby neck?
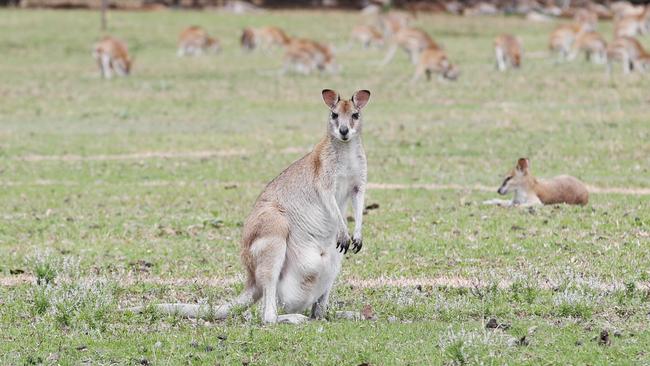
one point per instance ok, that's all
(529, 194)
(342, 148)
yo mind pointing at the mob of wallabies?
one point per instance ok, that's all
(394, 31)
(581, 36)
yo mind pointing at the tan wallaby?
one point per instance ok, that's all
(112, 55)
(508, 52)
(295, 237)
(529, 191)
(592, 44)
(367, 35)
(562, 38)
(629, 52)
(624, 9)
(413, 41)
(194, 41)
(435, 61)
(264, 38)
(306, 55)
(633, 25)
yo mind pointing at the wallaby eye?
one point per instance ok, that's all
(355, 116)
(334, 115)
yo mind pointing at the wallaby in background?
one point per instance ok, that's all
(529, 191)
(296, 235)
(367, 36)
(264, 38)
(413, 41)
(194, 41)
(562, 38)
(633, 24)
(508, 52)
(435, 61)
(306, 55)
(593, 45)
(630, 53)
(112, 55)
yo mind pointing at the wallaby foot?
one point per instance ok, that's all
(292, 319)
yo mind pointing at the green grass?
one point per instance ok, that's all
(97, 234)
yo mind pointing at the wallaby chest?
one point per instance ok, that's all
(350, 170)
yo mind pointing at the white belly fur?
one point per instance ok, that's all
(303, 281)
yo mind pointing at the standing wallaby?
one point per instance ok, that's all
(112, 55)
(264, 38)
(306, 55)
(295, 237)
(508, 51)
(633, 25)
(367, 35)
(529, 191)
(630, 52)
(562, 38)
(413, 41)
(435, 60)
(194, 41)
(593, 45)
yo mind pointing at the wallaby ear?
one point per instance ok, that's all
(330, 97)
(523, 165)
(360, 98)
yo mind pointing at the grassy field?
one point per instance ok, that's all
(133, 191)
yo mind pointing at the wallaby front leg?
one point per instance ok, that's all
(358, 197)
(106, 66)
(342, 236)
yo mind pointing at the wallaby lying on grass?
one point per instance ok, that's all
(112, 55)
(529, 191)
(295, 237)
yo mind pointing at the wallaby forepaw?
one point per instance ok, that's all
(343, 242)
(357, 243)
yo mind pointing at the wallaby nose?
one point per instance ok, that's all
(343, 130)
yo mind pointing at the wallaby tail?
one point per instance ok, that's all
(202, 311)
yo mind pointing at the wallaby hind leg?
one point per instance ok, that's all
(269, 254)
